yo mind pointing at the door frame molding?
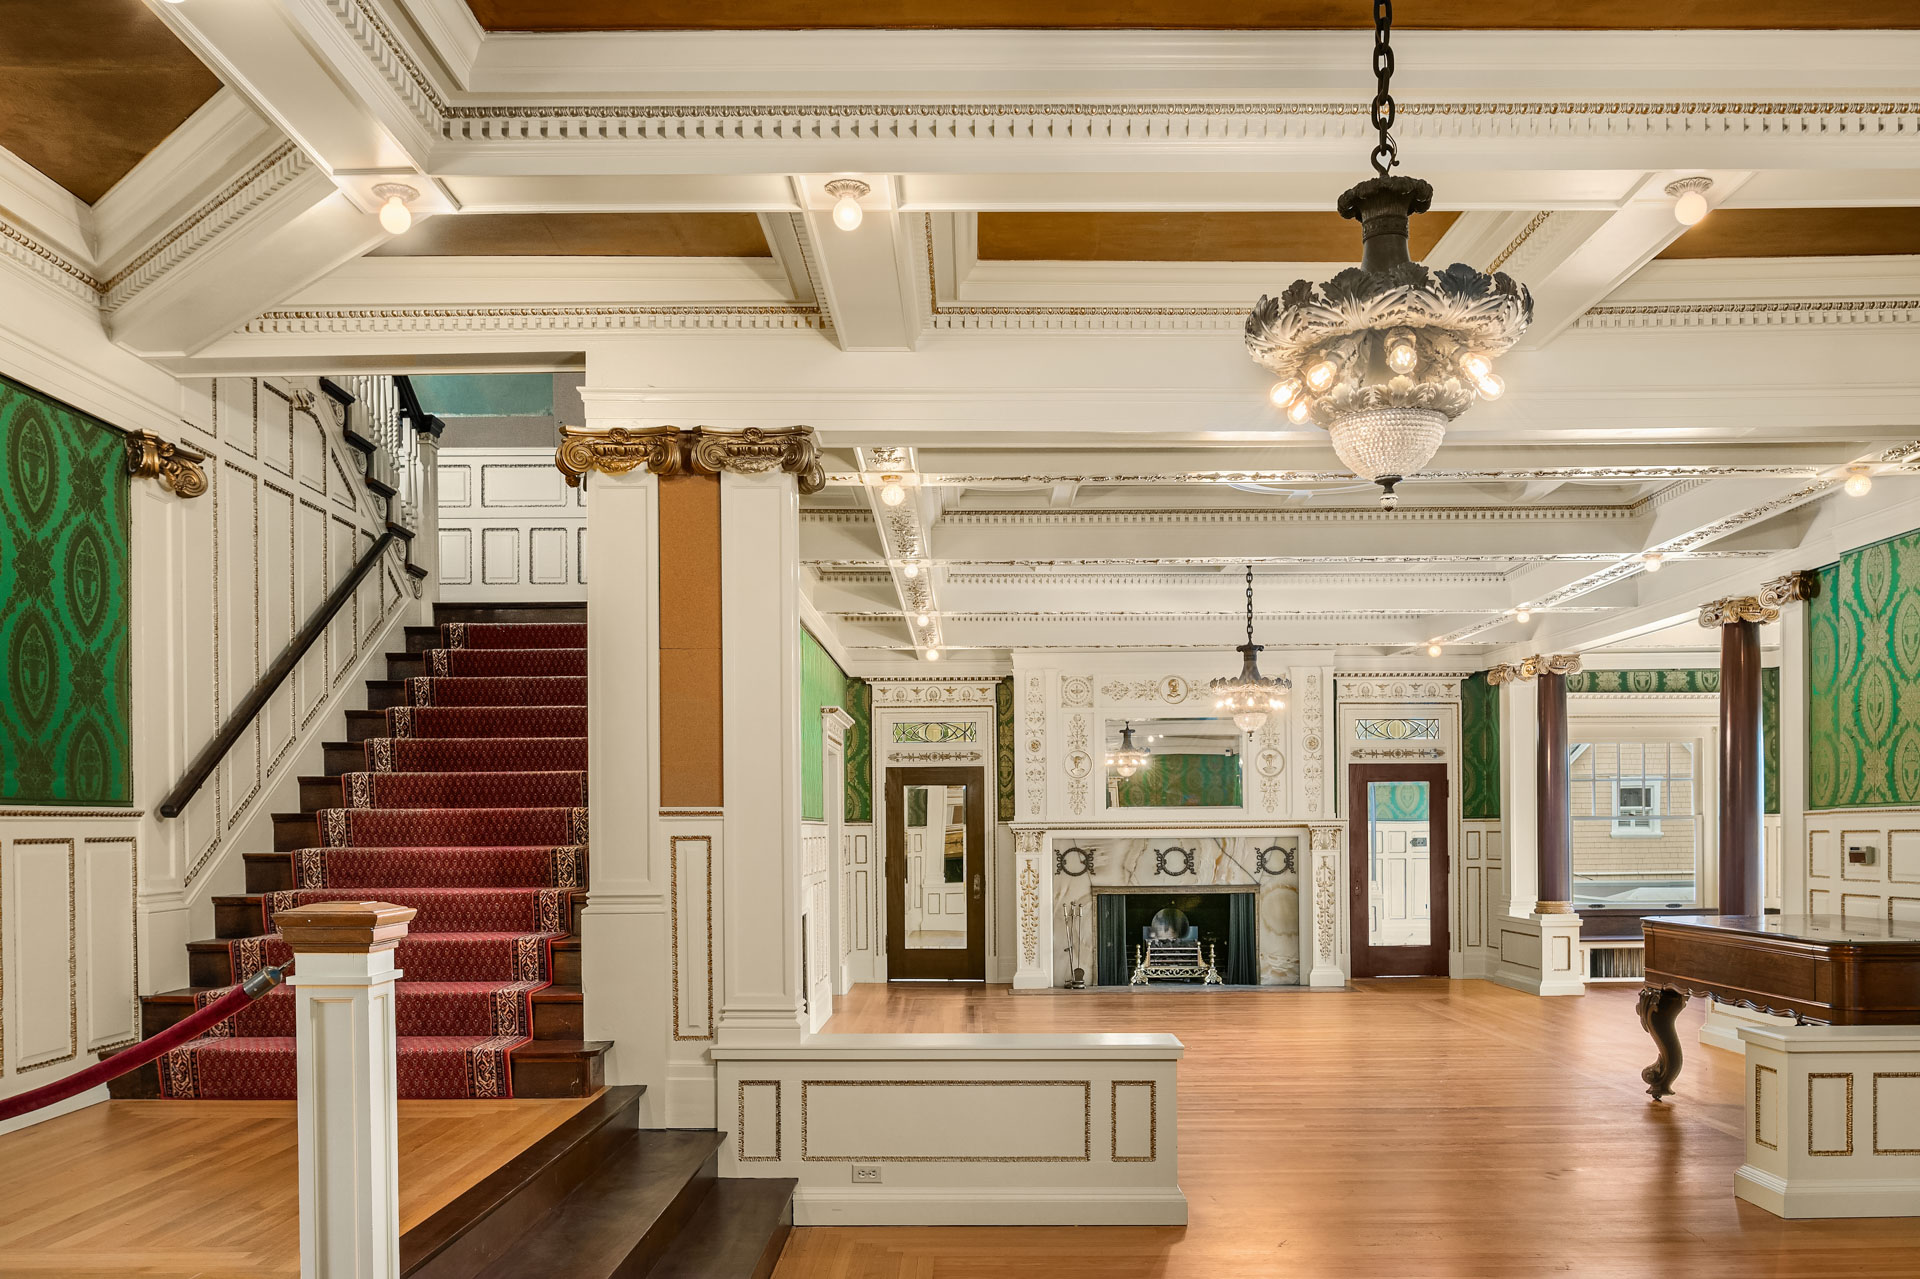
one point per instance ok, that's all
(970, 963)
(1433, 959)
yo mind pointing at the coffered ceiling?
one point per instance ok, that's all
(1037, 322)
(91, 86)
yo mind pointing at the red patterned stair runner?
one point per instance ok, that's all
(473, 812)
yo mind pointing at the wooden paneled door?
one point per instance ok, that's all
(1397, 859)
(936, 874)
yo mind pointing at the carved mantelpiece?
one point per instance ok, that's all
(698, 450)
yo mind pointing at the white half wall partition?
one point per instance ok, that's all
(960, 1130)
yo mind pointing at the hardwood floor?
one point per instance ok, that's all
(209, 1189)
(1405, 1128)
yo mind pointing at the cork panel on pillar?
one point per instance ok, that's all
(690, 745)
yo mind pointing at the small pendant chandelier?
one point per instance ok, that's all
(1127, 759)
(1385, 354)
(1250, 696)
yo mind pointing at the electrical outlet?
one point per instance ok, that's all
(867, 1174)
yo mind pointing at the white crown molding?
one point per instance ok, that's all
(853, 566)
(453, 33)
(47, 266)
(377, 282)
(340, 321)
(40, 207)
(1256, 516)
(1747, 315)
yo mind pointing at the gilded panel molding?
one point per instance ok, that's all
(1737, 608)
(176, 466)
(698, 450)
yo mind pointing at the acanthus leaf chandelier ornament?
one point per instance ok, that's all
(1127, 759)
(1250, 696)
(1384, 355)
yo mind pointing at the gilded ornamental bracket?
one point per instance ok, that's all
(698, 450)
(176, 466)
(1737, 608)
(1534, 667)
(1792, 589)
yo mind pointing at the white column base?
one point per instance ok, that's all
(1833, 1121)
(347, 1116)
(1539, 954)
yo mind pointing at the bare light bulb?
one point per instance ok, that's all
(893, 495)
(846, 215)
(933, 655)
(1283, 392)
(1433, 650)
(1477, 366)
(1492, 386)
(920, 619)
(1652, 561)
(909, 571)
(1320, 376)
(1523, 615)
(1302, 409)
(1859, 484)
(395, 217)
(1690, 208)
(1402, 357)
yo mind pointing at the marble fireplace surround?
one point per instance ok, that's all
(1120, 860)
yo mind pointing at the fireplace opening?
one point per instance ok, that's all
(1222, 921)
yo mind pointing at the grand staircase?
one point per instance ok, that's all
(460, 792)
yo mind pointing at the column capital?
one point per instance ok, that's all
(1737, 608)
(1793, 588)
(1534, 667)
(697, 450)
(176, 466)
(343, 928)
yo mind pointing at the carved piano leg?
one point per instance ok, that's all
(1658, 1009)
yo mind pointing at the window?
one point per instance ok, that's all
(1636, 822)
(1636, 809)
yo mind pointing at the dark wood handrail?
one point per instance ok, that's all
(250, 706)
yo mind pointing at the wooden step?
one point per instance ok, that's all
(317, 793)
(466, 1235)
(541, 1068)
(510, 614)
(738, 1233)
(558, 1011)
(382, 693)
(241, 915)
(297, 830)
(344, 757)
(406, 665)
(210, 962)
(625, 1217)
(422, 638)
(364, 724)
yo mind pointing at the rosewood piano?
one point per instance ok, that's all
(1816, 969)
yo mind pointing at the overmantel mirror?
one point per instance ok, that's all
(1175, 763)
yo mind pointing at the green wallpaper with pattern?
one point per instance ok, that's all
(1863, 678)
(859, 704)
(1687, 680)
(64, 545)
(1003, 746)
(1397, 801)
(1183, 781)
(1480, 749)
(823, 684)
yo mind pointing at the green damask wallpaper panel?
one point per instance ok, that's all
(1770, 738)
(1183, 781)
(1003, 746)
(821, 685)
(1397, 801)
(64, 538)
(1480, 743)
(1863, 678)
(1687, 680)
(859, 704)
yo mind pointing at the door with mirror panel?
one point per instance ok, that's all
(1397, 854)
(936, 874)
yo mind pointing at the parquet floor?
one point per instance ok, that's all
(1406, 1128)
(210, 1189)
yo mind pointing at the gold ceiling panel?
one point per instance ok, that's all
(551, 235)
(1793, 233)
(1186, 237)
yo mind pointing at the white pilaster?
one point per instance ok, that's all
(760, 691)
(625, 956)
(1793, 757)
(1519, 792)
(1323, 907)
(1033, 910)
(346, 1111)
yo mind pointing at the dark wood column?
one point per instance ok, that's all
(1555, 888)
(1742, 889)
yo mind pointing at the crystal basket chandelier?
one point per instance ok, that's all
(1250, 696)
(1127, 759)
(1384, 355)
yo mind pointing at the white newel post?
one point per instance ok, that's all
(425, 551)
(346, 1109)
(625, 933)
(1033, 909)
(760, 693)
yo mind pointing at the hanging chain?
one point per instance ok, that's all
(1386, 154)
(1249, 603)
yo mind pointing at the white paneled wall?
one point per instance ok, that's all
(510, 528)
(1879, 883)
(97, 905)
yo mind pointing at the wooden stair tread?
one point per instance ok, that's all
(738, 1232)
(624, 1216)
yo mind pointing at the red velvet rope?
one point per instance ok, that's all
(143, 1052)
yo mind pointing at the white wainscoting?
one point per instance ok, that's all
(510, 527)
(1885, 888)
(960, 1129)
(815, 909)
(1482, 901)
